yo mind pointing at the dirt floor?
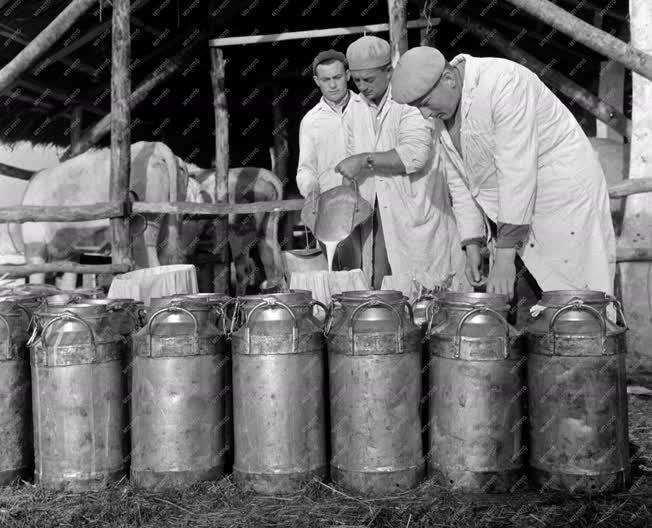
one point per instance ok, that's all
(221, 504)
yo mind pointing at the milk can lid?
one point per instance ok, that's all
(496, 301)
(564, 297)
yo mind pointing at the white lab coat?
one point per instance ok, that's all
(419, 226)
(526, 160)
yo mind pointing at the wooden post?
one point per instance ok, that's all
(43, 41)
(120, 129)
(636, 278)
(397, 28)
(15, 172)
(280, 133)
(632, 57)
(576, 93)
(76, 125)
(221, 270)
(612, 88)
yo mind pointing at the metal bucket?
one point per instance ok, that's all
(477, 393)
(16, 453)
(77, 398)
(177, 429)
(374, 351)
(577, 394)
(279, 413)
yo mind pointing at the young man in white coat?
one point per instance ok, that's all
(517, 157)
(412, 234)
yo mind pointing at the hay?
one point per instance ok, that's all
(321, 505)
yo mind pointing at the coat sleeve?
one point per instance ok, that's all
(514, 101)
(414, 140)
(307, 174)
(470, 220)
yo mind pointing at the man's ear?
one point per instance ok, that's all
(348, 75)
(316, 80)
(449, 77)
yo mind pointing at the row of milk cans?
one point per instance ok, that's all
(371, 391)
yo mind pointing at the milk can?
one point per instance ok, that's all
(177, 429)
(16, 452)
(77, 398)
(477, 393)
(374, 354)
(279, 410)
(577, 394)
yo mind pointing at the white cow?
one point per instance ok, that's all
(157, 175)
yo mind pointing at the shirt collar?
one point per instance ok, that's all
(326, 106)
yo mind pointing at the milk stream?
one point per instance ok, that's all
(331, 246)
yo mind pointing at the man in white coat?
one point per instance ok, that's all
(515, 157)
(412, 234)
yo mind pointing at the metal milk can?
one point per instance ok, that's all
(177, 429)
(279, 383)
(77, 396)
(477, 393)
(374, 351)
(577, 394)
(16, 451)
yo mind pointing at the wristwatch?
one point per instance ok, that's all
(370, 162)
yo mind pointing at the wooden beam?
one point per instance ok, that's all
(169, 66)
(12, 34)
(43, 41)
(398, 37)
(601, 11)
(120, 129)
(630, 187)
(46, 91)
(54, 213)
(76, 121)
(221, 270)
(312, 33)
(583, 32)
(15, 172)
(196, 209)
(575, 92)
(18, 96)
(63, 267)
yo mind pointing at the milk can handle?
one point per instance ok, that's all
(170, 309)
(328, 323)
(372, 303)
(410, 311)
(271, 302)
(619, 309)
(577, 304)
(481, 308)
(218, 310)
(6, 323)
(430, 315)
(314, 303)
(66, 316)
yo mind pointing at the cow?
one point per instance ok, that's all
(157, 175)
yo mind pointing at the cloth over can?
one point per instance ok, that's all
(477, 393)
(279, 382)
(16, 451)
(577, 395)
(374, 352)
(77, 394)
(177, 428)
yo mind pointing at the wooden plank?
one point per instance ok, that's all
(398, 37)
(62, 267)
(76, 120)
(217, 209)
(120, 129)
(569, 88)
(221, 270)
(596, 39)
(15, 172)
(630, 187)
(17, 95)
(312, 33)
(54, 213)
(54, 93)
(634, 255)
(43, 41)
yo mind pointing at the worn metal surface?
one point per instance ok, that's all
(374, 351)
(77, 398)
(177, 428)
(577, 395)
(16, 451)
(477, 394)
(279, 384)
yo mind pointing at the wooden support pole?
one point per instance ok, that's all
(596, 39)
(53, 213)
(636, 277)
(196, 209)
(221, 271)
(398, 37)
(76, 125)
(280, 133)
(62, 267)
(43, 41)
(556, 80)
(169, 66)
(15, 172)
(120, 129)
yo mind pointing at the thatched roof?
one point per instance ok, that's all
(76, 71)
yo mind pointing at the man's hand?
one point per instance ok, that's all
(503, 274)
(473, 264)
(352, 167)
